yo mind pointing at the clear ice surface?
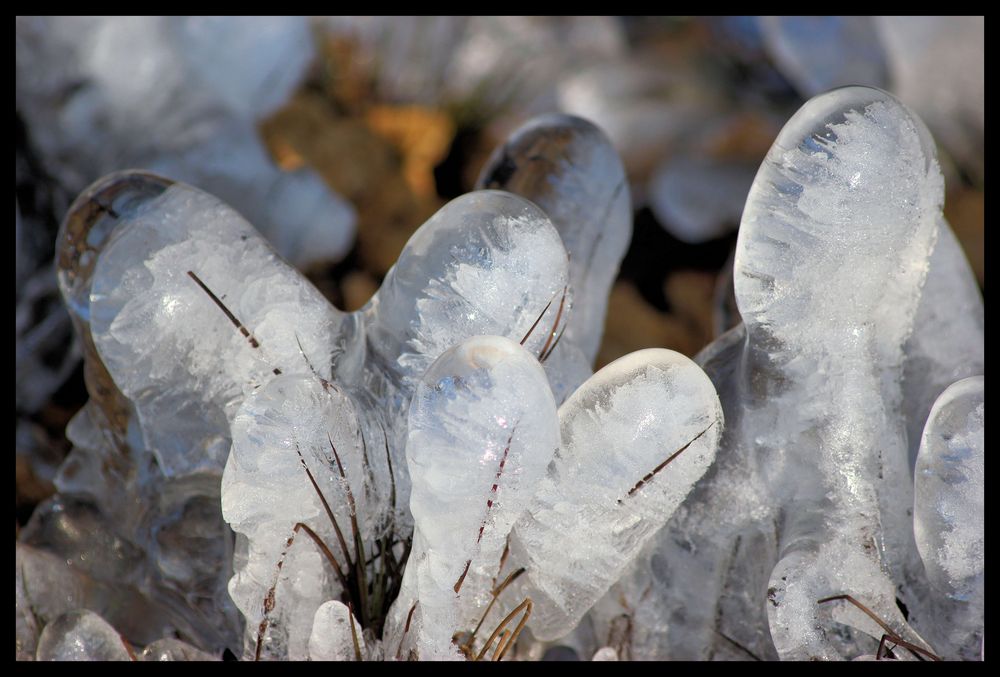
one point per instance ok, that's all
(568, 167)
(947, 343)
(949, 512)
(141, 286)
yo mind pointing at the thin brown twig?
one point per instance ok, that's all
(406, 629)
(562, 304)
(326, 505)
(359, 548)
(354, 632)
(663, 465)
(489, 506)
(547, 355)
(892, 634)
(269, 596)
(526, 606)
(496, 594)
(539, 318)
(254, 343)
(326, 384)
(503, 559)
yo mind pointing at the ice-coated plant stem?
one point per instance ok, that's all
(481, 430)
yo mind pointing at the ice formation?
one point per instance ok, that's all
(487, 263)
(949, 510)
(806, 500)
(423, 431)
(568, 167)
(949, 490)
(657, 399)
(934, 64)
(179, 96)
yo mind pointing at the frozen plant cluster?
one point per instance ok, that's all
(440, 475)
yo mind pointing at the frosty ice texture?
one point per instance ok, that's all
(877, 223)
(949, 490)
(614, 481)
(949, 512)
(141, 287)
(180, 96)
(568, 167)
(947, 341)
(294, 423)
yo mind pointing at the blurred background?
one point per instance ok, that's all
(338, 136)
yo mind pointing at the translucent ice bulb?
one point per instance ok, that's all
(568, 167)
(482, 429)
(949, 491)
